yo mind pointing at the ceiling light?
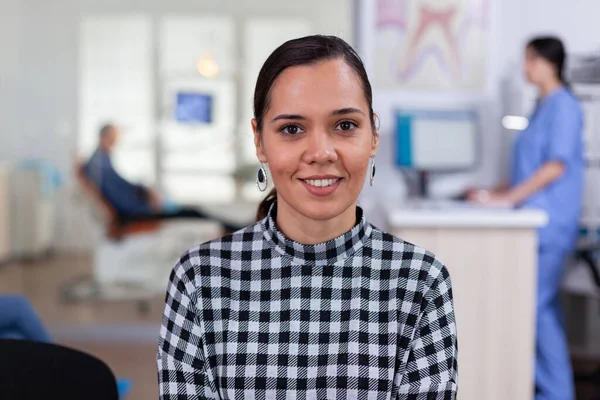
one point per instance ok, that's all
(515, 123)
(208, 67)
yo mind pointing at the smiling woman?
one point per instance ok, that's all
(317, 136)
(311, 301)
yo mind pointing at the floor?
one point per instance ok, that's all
(122, 333)
(119, 333)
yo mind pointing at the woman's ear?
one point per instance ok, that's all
(258, 144)
(375, 137)
(374, 143)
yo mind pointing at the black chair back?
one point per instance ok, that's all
(35, 370)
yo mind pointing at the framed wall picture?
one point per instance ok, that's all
(425, 45)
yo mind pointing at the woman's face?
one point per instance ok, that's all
(317, 139)
(537, 69)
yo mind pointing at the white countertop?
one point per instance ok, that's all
(462, 215)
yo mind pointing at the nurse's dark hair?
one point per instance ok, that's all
(551, 49)
(308, 50)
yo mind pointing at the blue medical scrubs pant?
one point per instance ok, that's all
(553, 373)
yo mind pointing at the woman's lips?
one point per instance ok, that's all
(321, 186)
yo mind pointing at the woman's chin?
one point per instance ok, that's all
(323, 209)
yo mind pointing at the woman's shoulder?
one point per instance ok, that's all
(407, 257)
(213, 252)
(565, 100)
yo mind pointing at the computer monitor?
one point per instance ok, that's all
(440, 140)
(194, 108)
(436, 141)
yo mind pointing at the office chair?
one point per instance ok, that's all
(587, 255)
(35, 370)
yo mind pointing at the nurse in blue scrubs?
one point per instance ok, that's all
(547, 174)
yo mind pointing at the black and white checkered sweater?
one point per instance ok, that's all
(255, 315)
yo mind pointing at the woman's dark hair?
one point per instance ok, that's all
(307, 50)
(551, 49)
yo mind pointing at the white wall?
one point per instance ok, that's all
(576, 21)
(43, 119)
(49, 57)
(10, 16)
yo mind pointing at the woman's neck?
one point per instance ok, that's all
(548, 87)
(305, 230)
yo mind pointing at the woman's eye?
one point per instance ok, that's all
(346, 125)
(291, 129)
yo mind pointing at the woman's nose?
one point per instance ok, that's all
(320, 147)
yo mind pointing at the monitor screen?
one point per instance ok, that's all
(441, 140)
(195, 108)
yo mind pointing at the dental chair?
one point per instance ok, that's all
(133, 260)
(106, 213)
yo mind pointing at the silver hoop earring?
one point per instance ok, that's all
(372, 174)
(261, 179)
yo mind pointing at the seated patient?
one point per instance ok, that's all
(132, 202)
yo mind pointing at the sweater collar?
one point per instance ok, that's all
(330, 252)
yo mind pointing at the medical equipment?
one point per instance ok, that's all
(132, 261)
(584, 68)
(193, 107)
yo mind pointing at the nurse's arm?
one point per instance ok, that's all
(545, 175)
(501, 187)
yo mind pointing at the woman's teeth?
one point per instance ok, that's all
(321, 182)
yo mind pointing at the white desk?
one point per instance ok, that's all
(491, 255)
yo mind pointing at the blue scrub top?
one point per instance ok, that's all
(554, 134)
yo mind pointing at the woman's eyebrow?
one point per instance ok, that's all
(347, 110)
(288, 116)
(341, 111)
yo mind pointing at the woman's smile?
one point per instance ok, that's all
(321, 186)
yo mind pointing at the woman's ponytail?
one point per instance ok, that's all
(265, 205)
